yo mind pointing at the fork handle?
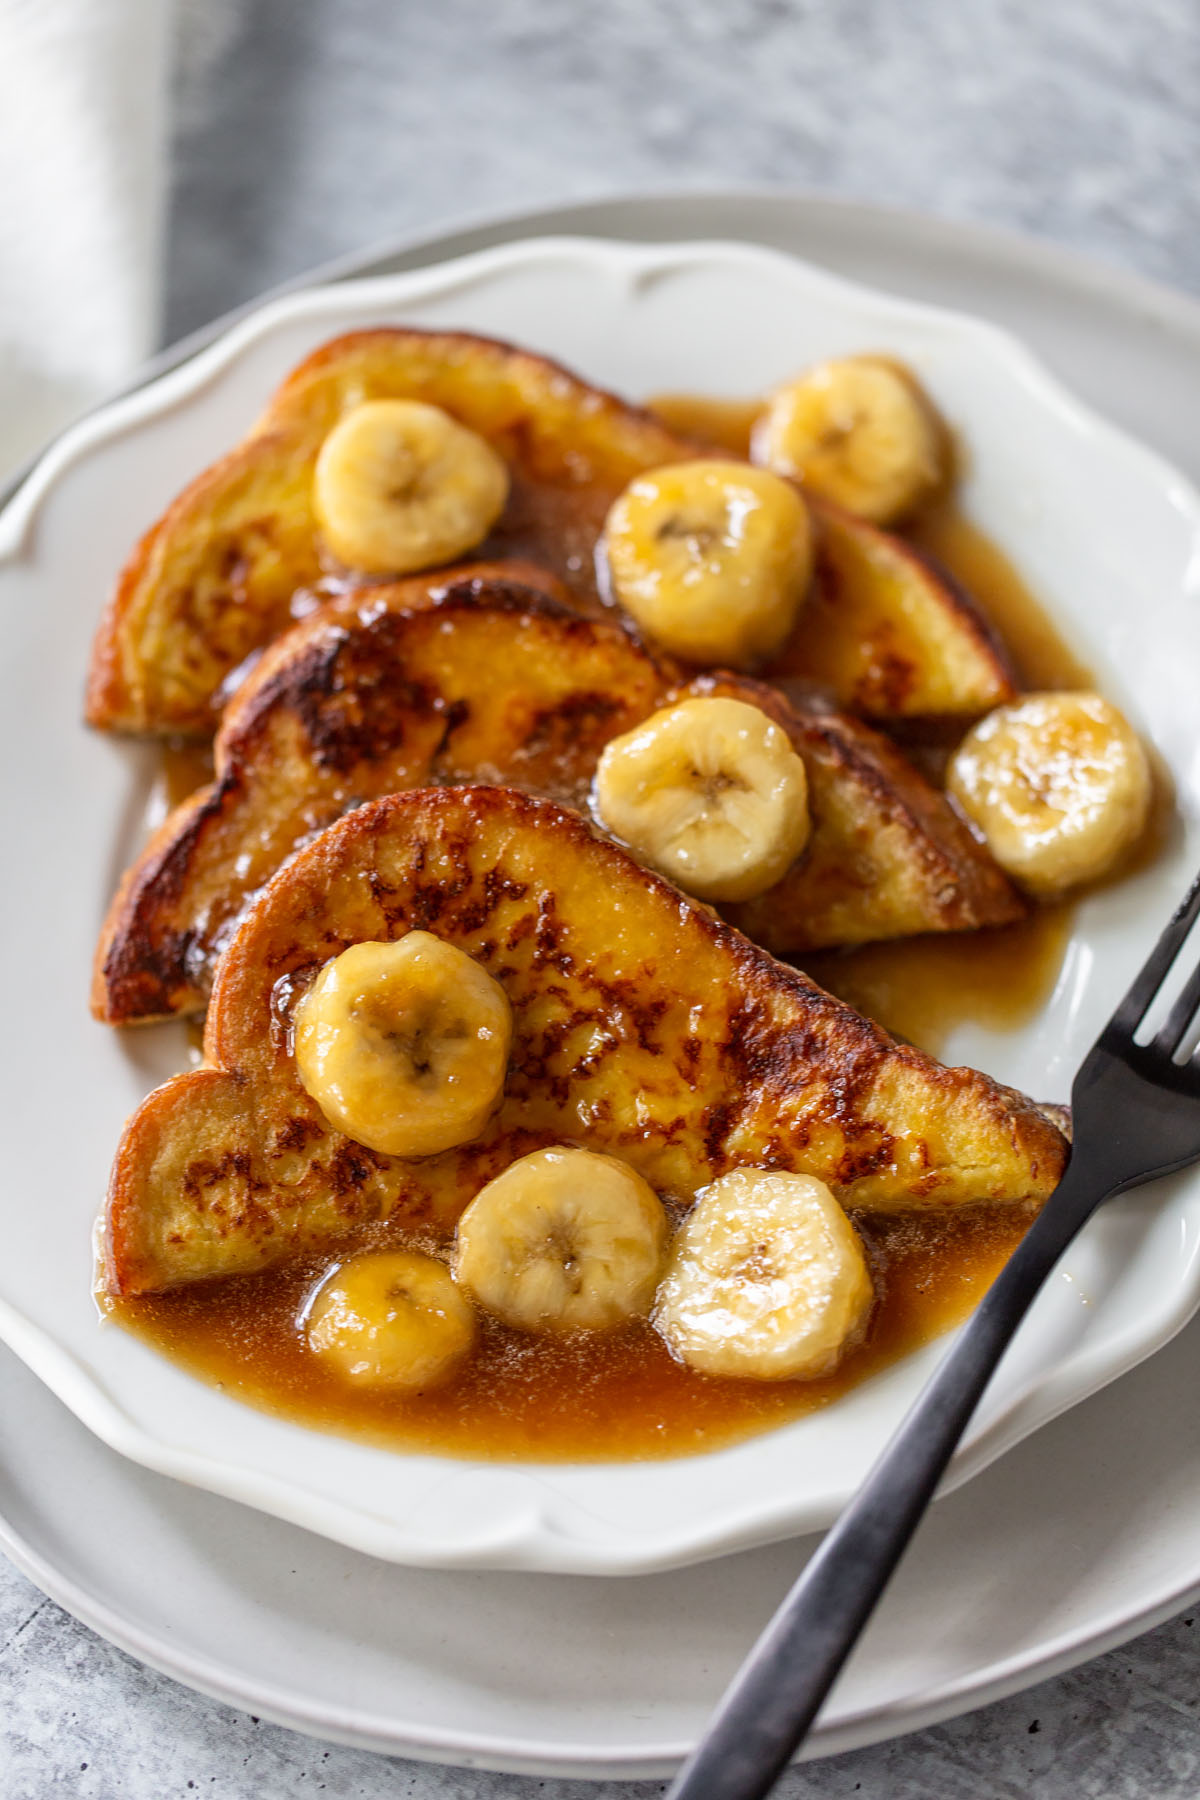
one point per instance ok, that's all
(775, 1696)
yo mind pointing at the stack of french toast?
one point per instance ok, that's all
(540, 735)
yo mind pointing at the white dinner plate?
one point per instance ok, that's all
(1103, 530)
(1084, 1534)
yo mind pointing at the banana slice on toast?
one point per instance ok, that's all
(713, 558)
(404, 1045)
(399, 486)
(767, 1280)
(215, 579)
(643, 1028)
(711, 793)
(563, 1240)
(377, 692)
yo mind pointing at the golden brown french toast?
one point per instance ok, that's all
(376, 693)
(215, 579)
(643, 1026)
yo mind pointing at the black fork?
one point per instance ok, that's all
(1136, 1113)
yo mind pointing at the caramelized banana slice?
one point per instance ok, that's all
(858, 431)
(1059, 785)
(391, 1319)
(767, 1280)
(563, 1240)
(399, 486)
(404, 1046)
(711, 558)
(710, 793)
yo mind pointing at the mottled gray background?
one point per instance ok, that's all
(305, 128)
(310, 129)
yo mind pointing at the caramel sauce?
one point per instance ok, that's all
(722, 424)
(185, 767)
(922, 988)
(1042, 658)
(620, 1395)
(616, 1395)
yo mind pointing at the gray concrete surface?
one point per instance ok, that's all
(308, 129)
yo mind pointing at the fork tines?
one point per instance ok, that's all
(1149, 979)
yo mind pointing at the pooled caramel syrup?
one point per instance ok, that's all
(621, 1395)
(616, 1395)
(922, 988)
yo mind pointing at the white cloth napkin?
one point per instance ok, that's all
(83, 103)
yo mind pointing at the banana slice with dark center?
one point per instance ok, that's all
(711, 558)
(711, 793)
(400, 486)
(563, 1240)
(404, 1046)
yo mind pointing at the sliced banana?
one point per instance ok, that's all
(400, 486)
(710, 793)
(563, 1240)
(391, 1318)
(712, 559)
(857, 431)
(1058, 784)
(404, 1046)
(766, 1281)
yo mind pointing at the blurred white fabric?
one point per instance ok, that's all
(83, 116)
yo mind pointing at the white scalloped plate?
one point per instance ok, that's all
(1103, 530)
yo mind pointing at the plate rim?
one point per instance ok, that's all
(175, 385)
(851, 1731)
(470, 230)
(1132, 292)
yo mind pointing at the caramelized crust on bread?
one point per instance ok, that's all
(888, 633)
(644, 1027)
(373, 694)
(214, 579)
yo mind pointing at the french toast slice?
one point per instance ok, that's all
(376, 693)
(215, 579)
(643, 1027)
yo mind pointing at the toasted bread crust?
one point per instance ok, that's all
(214, 579)
(368, 696)
(643, 1026)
